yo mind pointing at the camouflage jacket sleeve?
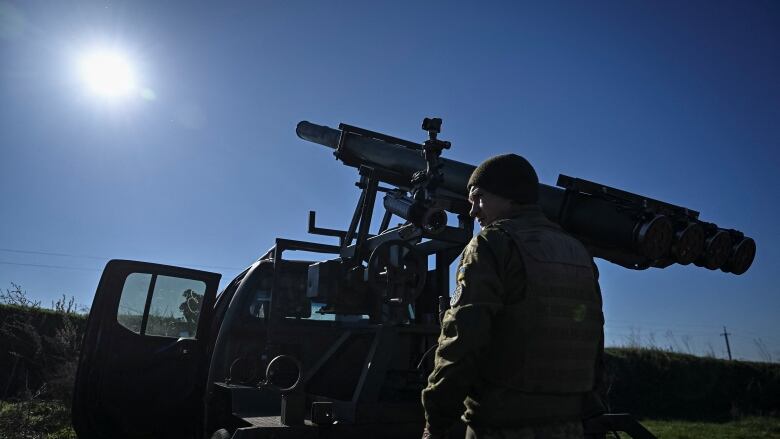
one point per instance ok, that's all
(466, 327)
(594, 402)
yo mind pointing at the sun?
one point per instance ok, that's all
(107, 73)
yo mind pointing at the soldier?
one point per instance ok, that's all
(520, 343)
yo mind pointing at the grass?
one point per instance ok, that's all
(746, 428)
(35, 419)
(39, 419)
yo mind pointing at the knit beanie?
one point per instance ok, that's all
(509, 176)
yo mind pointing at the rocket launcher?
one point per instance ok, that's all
(627, 229)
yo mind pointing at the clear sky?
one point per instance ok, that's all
(199, 164)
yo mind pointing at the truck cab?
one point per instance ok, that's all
(164, 355)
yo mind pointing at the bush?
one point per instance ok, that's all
(39, 357)
(40, 347)
(658, 384)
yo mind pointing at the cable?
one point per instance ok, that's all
(425, 355)
(62, 267)
(31, 252)
(647, 324)
(99, 258)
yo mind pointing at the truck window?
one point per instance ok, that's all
(161, 305)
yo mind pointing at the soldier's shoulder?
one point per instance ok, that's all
(491, 239)
(495, 232)
(483, 242)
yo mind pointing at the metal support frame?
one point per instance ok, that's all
(375, 366)
(385, 221)
(370, 183)
(326, 356)
(378, 359)
(314, 230)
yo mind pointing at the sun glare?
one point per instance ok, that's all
(107, 73)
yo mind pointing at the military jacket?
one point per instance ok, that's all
(521, 340)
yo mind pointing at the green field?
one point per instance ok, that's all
(49, 419)
(747, 428)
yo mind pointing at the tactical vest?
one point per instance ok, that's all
(547, 337)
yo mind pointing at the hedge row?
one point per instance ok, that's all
(38, 346)
(658, 384)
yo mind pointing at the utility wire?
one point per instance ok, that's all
(99, 258)
(31, 252)
(61, 267)
(648, 324)
(679, 329)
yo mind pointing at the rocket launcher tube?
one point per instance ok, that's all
(624, 228)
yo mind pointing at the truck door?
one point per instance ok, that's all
(143, 359)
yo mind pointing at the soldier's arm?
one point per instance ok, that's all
(594, 403)
(466, 330)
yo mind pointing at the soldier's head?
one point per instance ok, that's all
(499, 185)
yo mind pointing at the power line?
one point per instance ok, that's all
(99, 258)
(754, 336)
(648, 334)
(61, 267)
(648, 324)
(32, 252)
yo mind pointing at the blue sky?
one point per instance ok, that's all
(679, 101)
